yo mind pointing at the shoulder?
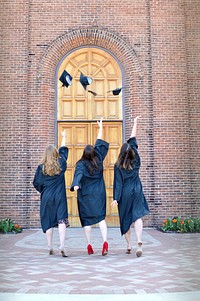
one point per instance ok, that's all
(80, 164)
(39, 168)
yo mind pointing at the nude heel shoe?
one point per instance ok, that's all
(63, 252)
(139, 249)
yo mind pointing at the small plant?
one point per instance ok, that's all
(7, 225)
(178, 224)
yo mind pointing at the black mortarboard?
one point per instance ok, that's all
(66, 79)
(86, 81)
(116, 91)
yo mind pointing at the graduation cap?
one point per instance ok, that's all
(66, 79)
(115, 91)
(86, 81)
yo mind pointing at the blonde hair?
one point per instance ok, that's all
(51, 166)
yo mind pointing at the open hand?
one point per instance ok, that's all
(136, 119)
(114, 203)
(100, 122)
(63, 133)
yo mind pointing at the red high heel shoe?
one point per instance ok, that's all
(105, 248)
(90, 249)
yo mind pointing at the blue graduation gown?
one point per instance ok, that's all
(53, 205)
(92, 191)
(128, 191)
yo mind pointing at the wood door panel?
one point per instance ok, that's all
(67, 109)
(80, 134)
(77, 113)
(112, 109)
(80, 109)
(98, 109)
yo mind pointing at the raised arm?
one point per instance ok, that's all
(99, 136)
(63, 134)
(134, 129)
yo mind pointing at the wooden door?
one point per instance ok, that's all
(78, 112)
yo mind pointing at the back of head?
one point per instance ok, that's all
(126, 157)
(50, 161)
(89, 154)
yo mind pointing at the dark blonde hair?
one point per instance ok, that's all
(51, 166)
(126, 157)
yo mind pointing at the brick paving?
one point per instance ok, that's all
(170, 263)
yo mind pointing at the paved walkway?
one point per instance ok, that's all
(169, 268)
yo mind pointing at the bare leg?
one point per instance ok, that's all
(62, 235)
(49, 236)
(138, 232)
(128, 239)
(138, 229)
(88, 230)
(103, 229)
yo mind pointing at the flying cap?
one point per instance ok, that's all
(86, 81)
(115, 91)
(66, 79)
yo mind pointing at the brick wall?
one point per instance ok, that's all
(157, 45)
(13, 110)
(192, 26)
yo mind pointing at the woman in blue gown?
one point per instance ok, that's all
(91, 192)
(49, 181)
(128, 192)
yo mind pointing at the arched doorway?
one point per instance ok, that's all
(78, 110)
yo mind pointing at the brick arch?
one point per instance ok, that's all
(69, 42)
(91, 37)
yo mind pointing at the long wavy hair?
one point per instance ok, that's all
(126, 158)
(89, 155)
(51, 166)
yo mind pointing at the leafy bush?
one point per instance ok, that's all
(7, 225)
(178, 224)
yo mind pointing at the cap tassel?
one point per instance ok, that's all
(94, 93)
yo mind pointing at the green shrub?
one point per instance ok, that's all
(178, 224)
(7, 225)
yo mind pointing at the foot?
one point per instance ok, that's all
(51, 252)
(90, 249)
(63, 252)
(139, 249)
(128, 251)
(105, 248)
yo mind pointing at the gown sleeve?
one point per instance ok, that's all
(77, 176)
(133, 143)
(37, 181)
(118, 184)
(101, 147)
(63, 152)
